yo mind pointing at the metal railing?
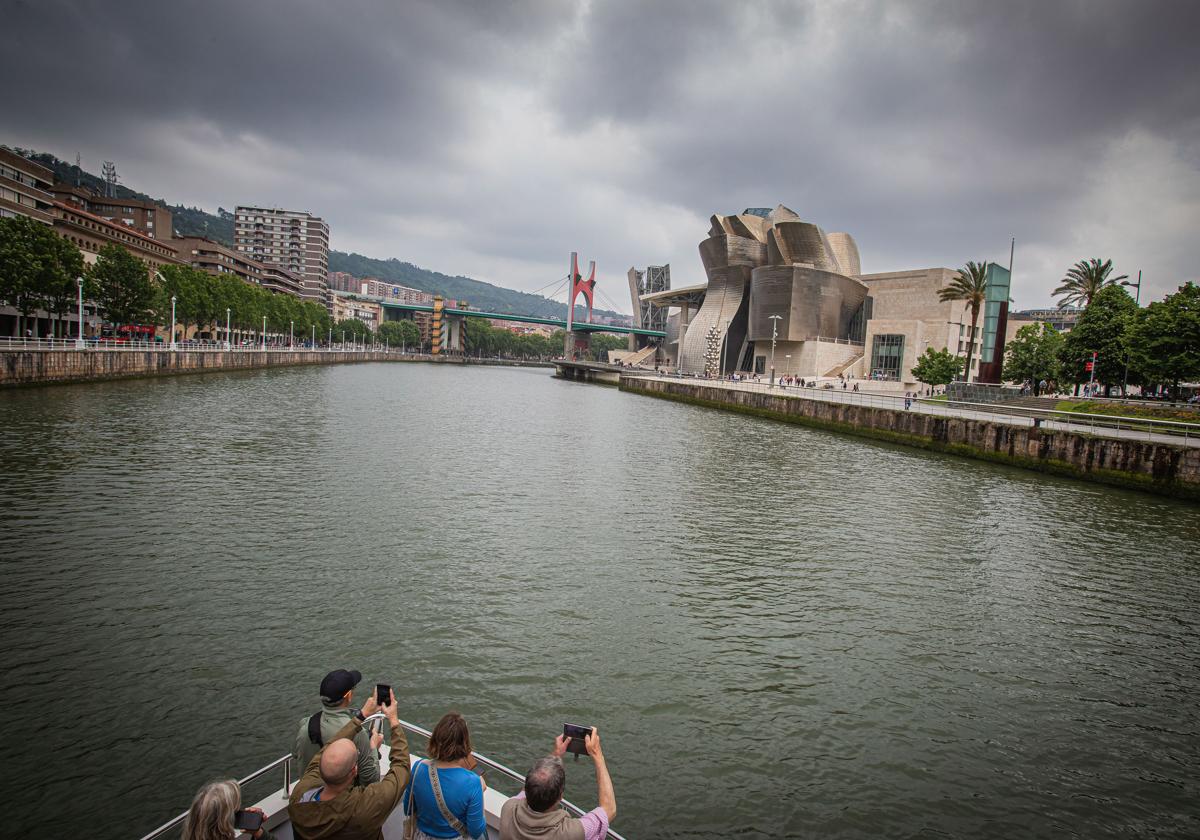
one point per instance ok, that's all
(286, 761)
(1176, 432)
(191, 346)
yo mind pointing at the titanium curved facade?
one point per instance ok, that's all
(771, 262)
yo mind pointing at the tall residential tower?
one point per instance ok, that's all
(290, 239)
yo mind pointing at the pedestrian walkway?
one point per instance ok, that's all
(1174, 433)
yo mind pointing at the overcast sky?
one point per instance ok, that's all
(491, 139)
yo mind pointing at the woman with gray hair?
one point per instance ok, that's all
(211, 816)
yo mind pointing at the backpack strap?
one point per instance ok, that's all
(314, 729)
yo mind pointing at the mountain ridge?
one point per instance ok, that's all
(194, 221)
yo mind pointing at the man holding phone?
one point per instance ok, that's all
(316, 731)
(325, 802)
(533, 814)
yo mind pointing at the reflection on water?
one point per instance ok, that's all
(778, 631)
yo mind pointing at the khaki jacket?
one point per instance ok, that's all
(357, 813)
(520, 822)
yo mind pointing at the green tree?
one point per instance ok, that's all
(1035, 354)
(1164, 339)
(196, 293)
(970, 286)
(1101, 329)
(38, 268)
(1084, 281)
(123, 287)
(400, 333)
(937, 367)
(601, 343)
(354, 330)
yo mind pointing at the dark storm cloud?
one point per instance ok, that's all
(486, 137)
(345, 74)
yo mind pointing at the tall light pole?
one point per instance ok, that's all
(228, 338)
(79, 343)
(329, 341)
(291, 335)
(343, 340)
(314, 338)
(172, 322)
(264, 333)
(1137, 300)
(775, 319)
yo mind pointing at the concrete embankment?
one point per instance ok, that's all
(44, 367)
(1155, 467)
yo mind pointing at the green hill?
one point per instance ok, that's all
(192, 221)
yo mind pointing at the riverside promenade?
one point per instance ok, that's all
(60, 362)
(1175, 433)
(1155, 456)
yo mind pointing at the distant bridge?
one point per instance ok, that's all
(577, 326)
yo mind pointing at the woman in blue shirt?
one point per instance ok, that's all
(462, 790)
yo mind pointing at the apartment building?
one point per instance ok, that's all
(90, 233)
(292, 240)
(26, 188)
(344, 307)
(145, 217)
(217, 259)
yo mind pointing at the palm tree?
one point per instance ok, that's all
(970, 286)
(1082, 282)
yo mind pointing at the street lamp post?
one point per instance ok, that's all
(172, 322)
(79, 343)
(343, 340)
(264, 333)
(228, 339)
(329, 341)
(291, 335)
(1137, 300)
(314, 338)
(775, 319)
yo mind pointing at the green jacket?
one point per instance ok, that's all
(332, 720)
(357, 813)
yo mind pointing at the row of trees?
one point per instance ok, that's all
(1151, 346)
(39, 270)
(1158, 345)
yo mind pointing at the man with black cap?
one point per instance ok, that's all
(318, 730)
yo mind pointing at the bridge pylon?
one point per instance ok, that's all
(577, 343)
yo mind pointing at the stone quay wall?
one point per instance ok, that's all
(38, 367)
(1154, 467)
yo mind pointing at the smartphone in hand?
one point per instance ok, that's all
(247, 820)
(575, 734)
(383, 694)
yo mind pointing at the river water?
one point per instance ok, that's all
(778, 632)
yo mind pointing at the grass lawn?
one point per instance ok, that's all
(1149, 412)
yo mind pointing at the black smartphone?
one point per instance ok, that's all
(576, 734)
(383, 694)
(247, 820)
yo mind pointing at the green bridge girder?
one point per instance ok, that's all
(523, 319)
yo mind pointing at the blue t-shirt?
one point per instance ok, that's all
(463, 795)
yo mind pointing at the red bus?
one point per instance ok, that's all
(126, 333)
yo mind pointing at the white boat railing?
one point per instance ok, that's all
(286, 761)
